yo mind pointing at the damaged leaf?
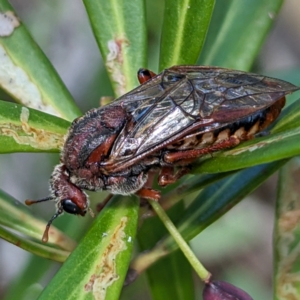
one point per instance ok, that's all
(287, 233)
(120, 31)
(24, 129)
(26, 73)
(96, 269)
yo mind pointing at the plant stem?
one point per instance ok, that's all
(182, 244)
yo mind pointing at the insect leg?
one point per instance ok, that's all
(195, 153)
(148, 193)
(167, 176)
(144, 75)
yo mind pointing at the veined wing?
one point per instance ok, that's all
(185, 99)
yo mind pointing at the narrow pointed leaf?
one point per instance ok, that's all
(33, 247)
(212, 203)
(237, 31)
(96, 269)
(16, 216)
(287, 233)
(120, 31)
(175, 266)
(24, 129)
(179, 285)
(188, 186)
(215, 200)
(184, 31)
(27, 74)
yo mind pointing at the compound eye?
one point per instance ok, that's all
(70, 207)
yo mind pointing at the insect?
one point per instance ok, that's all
(163, 125)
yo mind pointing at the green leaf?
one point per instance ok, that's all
(211, 203)
(24, 129)
(16, 216)
(189, 186)
(237, 31)
(179, 285)
(26, 73)
(175, 266)
(33, 247)
(183, 22)
(215, 200)
(120, 31)
(98, 266)
(287, 233)
(184, 30)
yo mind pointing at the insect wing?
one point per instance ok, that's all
(160, 109)
(229, 95)
(185, 100)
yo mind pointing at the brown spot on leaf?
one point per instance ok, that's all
(26, 135)
(114, 63)
(289, 220)
(105, 272)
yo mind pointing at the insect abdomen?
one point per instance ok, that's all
(243, 129)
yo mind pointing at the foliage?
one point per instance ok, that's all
(224, 33)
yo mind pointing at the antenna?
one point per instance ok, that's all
(46, 232)
(59, 212)
(30, 202)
